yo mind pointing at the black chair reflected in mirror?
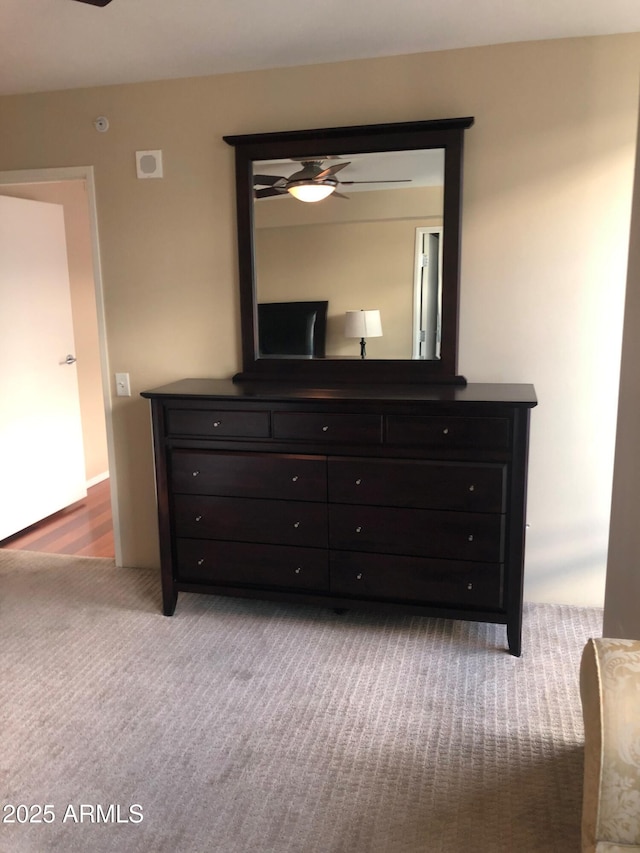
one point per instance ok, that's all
(296, 329)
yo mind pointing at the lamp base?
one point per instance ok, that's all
(363, 348)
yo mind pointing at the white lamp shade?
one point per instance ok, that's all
(363, 324)
(311, 191)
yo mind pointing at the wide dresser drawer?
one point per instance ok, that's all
(417, 532)
(239, 563)
(251, 475)
(314, 426)
(419, 580)
(250, 520)
(449, 433)
(411, 483)
(218, 423)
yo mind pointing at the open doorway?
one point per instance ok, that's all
(83, 529)
(88, 526)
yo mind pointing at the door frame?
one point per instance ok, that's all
(418, 285)
(86, 174)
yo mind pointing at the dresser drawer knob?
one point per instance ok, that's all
(296, 524)
(359, 576)
(298, 570)
(358, 481)
(198, 518)
(195, 473)
(445, 431)
(469, 586)
(470, 537)
(325, 428)
(294, 479)
(472, 488)
(217, 423)
(358, 529)
(200, 561)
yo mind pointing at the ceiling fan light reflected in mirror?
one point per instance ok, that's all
(311, 190)
(313, 182)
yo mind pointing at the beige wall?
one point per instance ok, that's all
(622, 609)
(547, 197)
(72, 195)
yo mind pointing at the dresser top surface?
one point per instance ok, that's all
(225, 389)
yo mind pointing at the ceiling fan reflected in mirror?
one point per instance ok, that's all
(313, 182)
(95, 2)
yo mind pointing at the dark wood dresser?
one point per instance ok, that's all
(390, 497)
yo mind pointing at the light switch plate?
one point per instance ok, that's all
(123, 386)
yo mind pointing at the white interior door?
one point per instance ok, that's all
(41, 450)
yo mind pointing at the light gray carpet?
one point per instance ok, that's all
(244, 726)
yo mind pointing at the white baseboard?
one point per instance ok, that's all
(98, 479)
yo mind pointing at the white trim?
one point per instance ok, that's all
(99, 478)
(417, 284)
(86, 173)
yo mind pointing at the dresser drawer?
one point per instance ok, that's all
(248, 520)
(444, 582)
(239, 563)
(417, 532)
(251, 475)
(310, 426)
(449, 433)
(214, 423)
(411, 483)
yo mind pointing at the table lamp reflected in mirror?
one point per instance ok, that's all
(363, 324)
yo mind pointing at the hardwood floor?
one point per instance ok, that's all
(84, 528)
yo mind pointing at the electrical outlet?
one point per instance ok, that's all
(123, 386)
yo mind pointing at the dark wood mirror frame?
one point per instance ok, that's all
(444, 133)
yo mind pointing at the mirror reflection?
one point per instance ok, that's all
(372, 244)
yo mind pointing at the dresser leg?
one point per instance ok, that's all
(514, 637)
(169, 601)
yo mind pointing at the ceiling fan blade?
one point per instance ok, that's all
(329, 171)
(268, 192)
(95, 2)
(394, 181)
(268, 180)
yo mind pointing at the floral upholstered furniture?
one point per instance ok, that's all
(610, 690)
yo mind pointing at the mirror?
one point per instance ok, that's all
(374, 237)
(370, 269)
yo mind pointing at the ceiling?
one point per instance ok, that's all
(62, 44)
